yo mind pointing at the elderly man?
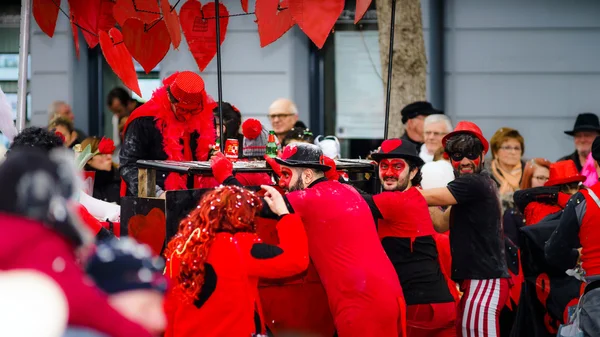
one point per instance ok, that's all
(62, 109)
(586, 128)
(413, 116)
(283, 115)
(435, 128)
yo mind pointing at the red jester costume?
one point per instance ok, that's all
(410, 241)
(476, 234)
(215, 261)
(175, 124)
(363, 291)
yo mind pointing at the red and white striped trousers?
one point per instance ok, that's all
(480, 306)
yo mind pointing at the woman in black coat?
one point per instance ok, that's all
(107, 182)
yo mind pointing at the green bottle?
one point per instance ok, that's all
(271, 145)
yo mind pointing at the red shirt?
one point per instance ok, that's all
(229, 310)
(27, 244)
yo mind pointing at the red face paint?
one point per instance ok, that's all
(391, 168)
(286, 178)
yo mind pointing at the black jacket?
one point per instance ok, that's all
(575, 158)
(107, 185)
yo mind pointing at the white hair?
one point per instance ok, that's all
(54, 107)
(291, 105)
(438, 118)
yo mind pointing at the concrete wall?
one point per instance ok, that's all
(531, 65)
(253, 77)
(56, 74)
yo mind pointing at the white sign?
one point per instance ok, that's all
(360, 105)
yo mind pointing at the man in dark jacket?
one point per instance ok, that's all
(175, 124)
(586, 128)
(413, 116)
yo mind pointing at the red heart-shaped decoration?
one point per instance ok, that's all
(106, 21)
(119, 58)
(200, 31)
(289, 151)
(172, 21)
(316, 17)
(87, 15)
(145, 10)
(75, 32)
(272, 22)
(361, 8)
(149, 229)
(390, 144)
(245, 5)
(45, 13)
(148, 44)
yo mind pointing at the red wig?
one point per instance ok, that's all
(228, 209)
(530, 168)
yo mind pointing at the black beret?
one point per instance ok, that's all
(420, 108)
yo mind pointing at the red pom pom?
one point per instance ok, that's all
(251, 128)
(106, 146)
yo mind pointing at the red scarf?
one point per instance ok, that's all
(175, 131)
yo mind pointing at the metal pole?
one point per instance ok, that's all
(219, 79)
(389, 82)
(23, 54)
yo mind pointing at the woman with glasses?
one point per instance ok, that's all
(506, 166)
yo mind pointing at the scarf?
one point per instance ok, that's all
(509, 181)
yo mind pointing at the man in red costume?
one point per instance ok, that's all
(409, 239)
(175, 124)
(364, 294)
(476, 235)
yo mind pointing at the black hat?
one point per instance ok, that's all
(397, 148)
(123, 265)
(303, 155)
(596, 149)
(420, 108)
(586, 121)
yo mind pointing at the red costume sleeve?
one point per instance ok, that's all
(536, 211)
(288, 258)
(92, 223)
(88, 307)
(563, 198)
(442, 243)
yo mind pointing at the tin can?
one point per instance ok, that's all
(232, 149)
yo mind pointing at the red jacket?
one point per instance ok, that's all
(238, 261)
(28, 244)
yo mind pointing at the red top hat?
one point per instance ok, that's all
(188, 89)
(564, 172)
(470, 128)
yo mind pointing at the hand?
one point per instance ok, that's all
(274, 165)
(163, 196)
(275, 200)
(332, 174)
(221, 167)
(579, 257)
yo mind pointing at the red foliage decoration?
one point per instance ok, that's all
(86, 14)
(200, 31)
(148, 44)
(106, 146)
(119, 58)
(145, 10)
(272, 21)
(316, 18)
(45, 13)
(251, 128)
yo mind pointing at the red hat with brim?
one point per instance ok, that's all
(188, 89)
(564, 172)
(470, 128)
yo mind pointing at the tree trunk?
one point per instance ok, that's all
(409, 63)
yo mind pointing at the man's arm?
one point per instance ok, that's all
(561, 249)
(136, 146)
(440, 219)
(440, 196)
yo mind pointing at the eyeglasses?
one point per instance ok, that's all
(511, 148)
(435, 134)
(541, 178)
(280, 116)
(458, 156)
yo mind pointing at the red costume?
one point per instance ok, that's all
(156, 131)
(226, 304)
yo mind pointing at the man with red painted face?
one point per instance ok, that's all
(409, 239)
(175, 124)
(363, 291)
(476, 235)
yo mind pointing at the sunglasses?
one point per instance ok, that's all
(458, 156)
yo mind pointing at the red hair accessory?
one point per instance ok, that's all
(289, 151)
(60, 135)
(251, 128)
(106, 146)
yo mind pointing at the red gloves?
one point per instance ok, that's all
(221, 167)
(332, 174)
(274, 165)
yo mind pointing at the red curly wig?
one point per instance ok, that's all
(228, 209)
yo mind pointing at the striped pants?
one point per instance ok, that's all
(480, 307)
